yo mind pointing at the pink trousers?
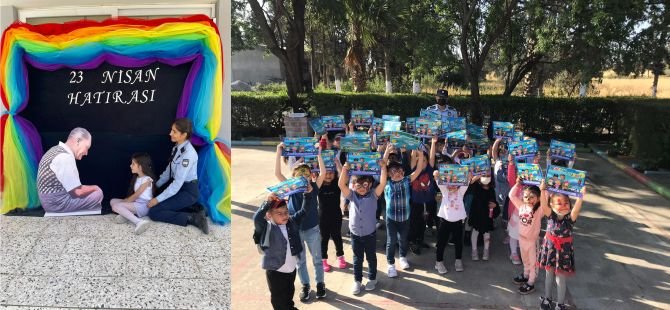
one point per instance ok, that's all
(529, 257)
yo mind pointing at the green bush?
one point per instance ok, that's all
(634, 125)
(257, 114)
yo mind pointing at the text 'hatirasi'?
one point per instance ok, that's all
(115, 77)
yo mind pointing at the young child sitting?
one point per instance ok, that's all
(362, 223)
(134, 207)
(276, 234)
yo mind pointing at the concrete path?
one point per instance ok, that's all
(622, 254)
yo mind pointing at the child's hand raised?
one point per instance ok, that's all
(543, 186)
(272, 197)
(345, 166)
(434, 139)
(280, 146)
(518, 179)
(309, 188)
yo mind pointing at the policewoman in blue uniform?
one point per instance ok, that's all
(175, 204)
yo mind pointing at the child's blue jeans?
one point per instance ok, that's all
(364, 247)
(396, 232)
(311, 239)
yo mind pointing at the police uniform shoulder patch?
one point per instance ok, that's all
(184, 162)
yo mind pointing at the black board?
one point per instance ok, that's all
(127, 110)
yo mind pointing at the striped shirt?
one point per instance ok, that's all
(397, 194)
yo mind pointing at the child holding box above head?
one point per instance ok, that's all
(362, 222)
(330, 215)
(309, 227)
(530, 219)
(276, 235)
(452, 214)
(557, 254)
(397, 195)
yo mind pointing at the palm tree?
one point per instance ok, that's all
(362, 19)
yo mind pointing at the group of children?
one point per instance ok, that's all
(406, 192)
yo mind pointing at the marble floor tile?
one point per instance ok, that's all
(80, 245)
(16, 244)
(32, 290)
(94, 292)
(212, 267)
(151, 266)
(44, 265)
(10, 263)
(50, 244)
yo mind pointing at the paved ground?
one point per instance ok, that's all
(622, 254)
(91, 262)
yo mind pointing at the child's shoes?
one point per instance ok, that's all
(520, 279)
(458, 266)
(545, 303)
(120, 219)
(404, 264)
(475, 255)
(440, 267)
(370, 285)
(486, 255)
(341, 263)
(141, 227)
(515, 259)
(326, 267)
(392, 273)
(356, 289)
(526, 289)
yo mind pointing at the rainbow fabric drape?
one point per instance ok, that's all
(122, 42)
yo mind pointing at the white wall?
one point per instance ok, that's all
(223, 20)
(255, 66)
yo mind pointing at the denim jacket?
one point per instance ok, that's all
(270, 239)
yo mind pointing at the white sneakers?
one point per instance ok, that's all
(357, 288)
(404, 264)
(141, 227)
(370, 285)
(440, 267)
(458, 265)
(120, 219)
(486, 254)
(392, 273)
(475, 255)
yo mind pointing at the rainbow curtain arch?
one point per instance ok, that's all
(121, 42)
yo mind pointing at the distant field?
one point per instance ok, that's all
(619, 87)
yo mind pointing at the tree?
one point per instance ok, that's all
(327, 26)
(363, 18)
(527, 43)
(649, 49)
(596, 30)
(282, 27)
(480, 24)
(244, 36)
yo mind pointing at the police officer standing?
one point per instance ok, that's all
(174, 204)
(441, 98)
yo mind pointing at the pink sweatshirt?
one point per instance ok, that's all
(529, 221)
